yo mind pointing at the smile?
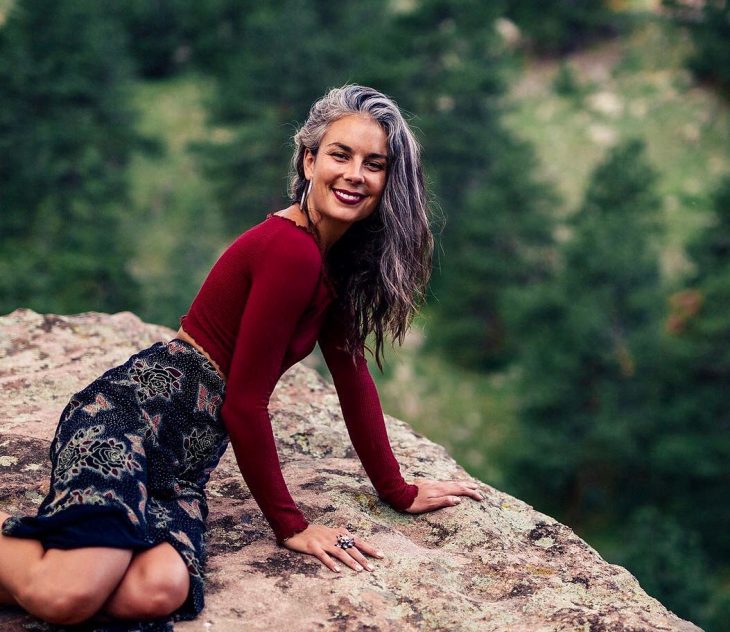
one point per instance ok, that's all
(347, 197)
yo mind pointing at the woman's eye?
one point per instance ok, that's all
(339, 155)
(376, 166)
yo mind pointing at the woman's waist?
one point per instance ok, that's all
(186, 337)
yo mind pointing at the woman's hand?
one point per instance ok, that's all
(321, 541)
(434, 495)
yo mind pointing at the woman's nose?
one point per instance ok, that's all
(354, 172)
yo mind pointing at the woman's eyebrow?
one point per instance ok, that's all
(346, 148)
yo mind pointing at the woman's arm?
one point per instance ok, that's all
(283, 282)
(363, 415)
(365, 423)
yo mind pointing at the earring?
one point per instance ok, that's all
(305, 194)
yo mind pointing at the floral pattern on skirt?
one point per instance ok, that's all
(130, 459)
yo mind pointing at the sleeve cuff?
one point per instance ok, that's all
(288, 533)
(403, 499)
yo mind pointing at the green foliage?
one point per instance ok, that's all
(709, 27)
(287, 55)
(668, 560)
(167, 36)
(623, 418)
(691, 455)
(469, 413)
(566, 83)
(66, 133)
(499, 241)
(158, 38)
(179, 236)
(710, 251)
(686, 128)
(561, 26)
(718, 611)
(589, 341)
(498, 212)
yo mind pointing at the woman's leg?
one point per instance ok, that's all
(6, 599)
(155, 585)
(15, 553)
(59, 586)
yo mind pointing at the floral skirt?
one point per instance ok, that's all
(130, 459)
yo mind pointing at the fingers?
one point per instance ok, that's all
(365, 547)
(352, 556)
(457, 488)
(359, 558)
(437, 494)
(443, 501)
(322, 556)
(470, 489)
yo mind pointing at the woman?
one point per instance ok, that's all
(121, 531)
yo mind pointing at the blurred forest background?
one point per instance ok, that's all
(575, 349)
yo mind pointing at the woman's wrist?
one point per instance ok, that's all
(291, 535)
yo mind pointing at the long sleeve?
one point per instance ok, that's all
(283, 281)
(363, 415)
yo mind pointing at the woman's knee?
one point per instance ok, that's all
(62, 604)
(158, 595)
(156, 591)
(67, 587)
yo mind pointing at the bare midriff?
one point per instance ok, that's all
(184, 335)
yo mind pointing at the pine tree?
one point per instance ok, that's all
(691, 455)
(709, 26)
(589, 343)
(499, 224)
(668, 560)
(65, 136)
(168, 36)
(561, 26)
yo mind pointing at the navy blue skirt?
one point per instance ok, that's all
(130, 459)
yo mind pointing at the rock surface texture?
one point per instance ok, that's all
(494, 565)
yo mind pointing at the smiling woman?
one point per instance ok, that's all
(349, 171)
(382, 261)
(345, 177)
(121, 532)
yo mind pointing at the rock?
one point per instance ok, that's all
(491, 565)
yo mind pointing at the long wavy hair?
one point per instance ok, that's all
(382, 264)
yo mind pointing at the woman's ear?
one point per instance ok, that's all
(308, 163)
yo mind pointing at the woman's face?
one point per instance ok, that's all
(349, 171)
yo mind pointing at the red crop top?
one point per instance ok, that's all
(263, 306)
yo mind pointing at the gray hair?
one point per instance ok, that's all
(381, 266)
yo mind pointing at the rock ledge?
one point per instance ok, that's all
(497, 565)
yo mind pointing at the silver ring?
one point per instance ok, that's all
(345, 542)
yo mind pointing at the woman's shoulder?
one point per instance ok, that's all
(283, 222)
(277, 238)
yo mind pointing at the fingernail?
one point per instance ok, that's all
(369, 567)
(379, 554)
(457, 500)
(358, 567)
(337, 568)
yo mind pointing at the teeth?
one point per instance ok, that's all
(348, 196)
